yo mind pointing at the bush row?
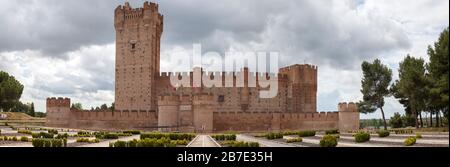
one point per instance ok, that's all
(383, 133)
(241, 144)
(329, 141)
(24, 132)
(49, 142)
(223, 137)
(362, 137)
(294, 140)
(53, 131)
(272, 136)
(62, 136)
(331, 132)
(42, 135)
(307, 133)
(171, 136)
(14, 138)
(403, 131)
(86, 140)
(149, 142)
(134, 132)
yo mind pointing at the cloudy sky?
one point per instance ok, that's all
(66, 48)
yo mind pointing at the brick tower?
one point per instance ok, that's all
(138, 35)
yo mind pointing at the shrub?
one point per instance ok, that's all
(134, 132)
(49, 142)
(362, 137)
(272, 136)
(410, 141)
(14, 138)
(62, 136)
(171, 136)
(418, 136)
(241, 144)
(53, 131)
(24, 132)
(147, 142)
(331, 132)
(24, 139)
(83, 134)
(42, 135)
(328, 141)
(223, 137)
(86, 140)
(307, 133)
(294, 140)
(110, 136)
(383, 133)
(403, 131)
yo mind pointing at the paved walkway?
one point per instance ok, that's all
(106, 143)
(340, 143)
(203, 141)
(264, 142)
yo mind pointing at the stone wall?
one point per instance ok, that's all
(268, 121)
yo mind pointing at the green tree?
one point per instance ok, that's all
(438, 75)
(411, 85)
(32, 112)
(396, 121)
(376, 80)
(103, 107)
(77, 106)
(10, 91)
(112, 108)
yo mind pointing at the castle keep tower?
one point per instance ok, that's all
(138, 35)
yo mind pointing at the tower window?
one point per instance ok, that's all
(133, 46)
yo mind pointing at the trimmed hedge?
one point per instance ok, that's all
(328, 141)
(49, 142)
(110, 136)
(383, 133)
(403, 131)
(171, 136)
(362, 137)
(25, 132)
(42, 135)
(86, 140)
(272, 136)
(24, 139)
(241, 144)
(410, 141)
(134, 132)
(149, 142)
(62, 136)
(332, 132)
(53, 131)
(307, 133)
(295, 140)
(224, 137)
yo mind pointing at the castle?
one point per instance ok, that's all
(145, 98)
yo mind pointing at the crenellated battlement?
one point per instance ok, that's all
(298, 67)
(348, 107)
(58, 102)
(148, 13)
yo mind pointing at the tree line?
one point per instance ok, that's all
(103, 107)
(421, 88)
(10, 92)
